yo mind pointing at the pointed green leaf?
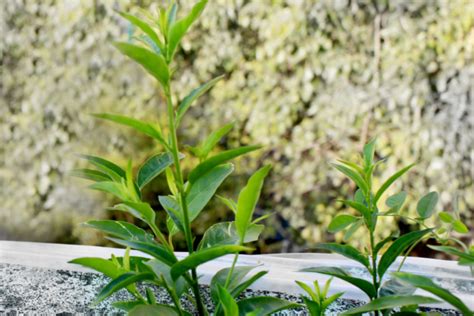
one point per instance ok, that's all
(152, 248)
(363, 210)
(247, 201)
(428, 285)
(191, 97)
(122, 230)
(205, 187)
(225, 233)
(459, 227)
(426, 205)
(346, 251)
(143, 127)
(153, 167)
(173, 209)
(362, 284)
(197, 258)
(395, 287)
(211, 141)
(229, 203)
(398, 247)
(453, 251)
(352, 230)
(389, 182)
(180, 27)
(140, 210)
(114, 188)
(354, 176)
(266, 305)
(90, 174)
(390, 302)
(121, 282)
(228, 303)
(154, 64)
(238, 274)
(126, 306)
(218, 159)
(369, 150)
(247, 283)
(101, 265)
(446, 217)
(147, 29)
(341, 222)
(108, 167)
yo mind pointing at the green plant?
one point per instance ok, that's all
(187, 199)
(318, 302)
(384, 294)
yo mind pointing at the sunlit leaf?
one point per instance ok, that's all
(389, 182)
(108, 167)
(238, 274)
(225, 233)
(228, 303)
(147, 29)
(152, 248)
(153, 167)
(121, 282)
(90, 174)
(341, 222)
(122, 230)
(426, 205)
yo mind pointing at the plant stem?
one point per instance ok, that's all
(182, 196)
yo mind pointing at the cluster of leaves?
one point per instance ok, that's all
(386, 294)
(187, 199)
(317, 300)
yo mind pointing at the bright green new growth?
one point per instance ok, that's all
(187, 199)
(317, 301)
(385, 294)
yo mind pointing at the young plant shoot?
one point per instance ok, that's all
(154, 50)
(386, 295)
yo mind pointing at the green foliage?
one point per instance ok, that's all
(384, 297)
(318, 300)
(187, 199)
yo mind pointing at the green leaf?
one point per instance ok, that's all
(395, 287)
(122, 230)
(90, 174)
(180, 27)
(163, 270)
(383, 242)
(265, 304)
(341, 222)
(154, 64)
(354, 176)
(398, 247)
(389, 182)
(428, 285)
(101, 265)
(390, 302)
(446, 217)
(225, 233)
(368, 153)
(219, 279)
(211, 141)
(247, 283)
(352, 229)
(426, 205)
(116, 189)
(362, 284)
(142, 25)
(199, 257)
(108, 167)
(247, 200)
(153, 167)
(395, 202)
(152, 248)
(121, 282)
(191, 97)
(143, 127)
(173, 209)
(363, 210)
(347, 251)
(126, 305)
(459, 227)
(229, 203)
(453, 251)
(205, 187)
(140, 210)
(218, 159)
(228, 303)
(153, 310)
(313, 307)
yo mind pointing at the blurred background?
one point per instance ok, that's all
(310, 80)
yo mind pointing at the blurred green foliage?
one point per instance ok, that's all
(309, 80)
